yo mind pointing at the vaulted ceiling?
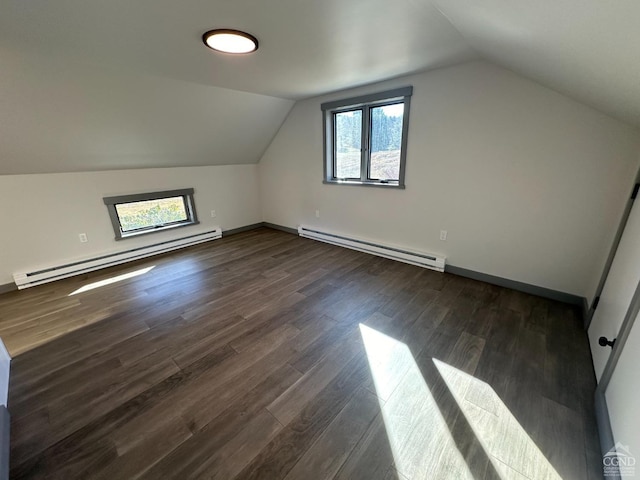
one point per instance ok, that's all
(586, 49)
(308, 47)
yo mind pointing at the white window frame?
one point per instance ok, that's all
(364, 103)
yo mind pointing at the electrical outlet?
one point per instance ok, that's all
(213, 214)
(317, 213)
(83, 237)
(443, 235)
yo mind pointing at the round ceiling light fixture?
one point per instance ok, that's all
(230, 41)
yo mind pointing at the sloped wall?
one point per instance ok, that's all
(59, 115)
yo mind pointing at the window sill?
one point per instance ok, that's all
(358, 183)
(124, 236)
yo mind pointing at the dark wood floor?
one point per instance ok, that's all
(268, 356)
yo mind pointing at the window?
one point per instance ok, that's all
(133, 215)
(365, 139)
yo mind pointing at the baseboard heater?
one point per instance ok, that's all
(420, 259)
(57, 272)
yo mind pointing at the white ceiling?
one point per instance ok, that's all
(308, 47)
(54, 55)
(586, 49)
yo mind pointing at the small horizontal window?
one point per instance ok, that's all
(141, 213)
(365, 139)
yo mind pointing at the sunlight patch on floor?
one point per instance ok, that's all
(510, 449)
(109, 281)
(419, 438)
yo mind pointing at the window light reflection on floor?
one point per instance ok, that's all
(508, 445)
(109, 281)
(420, 441)
(419, 437)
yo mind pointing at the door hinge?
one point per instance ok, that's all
(634, 194)
(596, 301)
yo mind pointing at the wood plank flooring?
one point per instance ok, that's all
(267, 356)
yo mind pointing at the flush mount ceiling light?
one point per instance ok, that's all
(230, 41)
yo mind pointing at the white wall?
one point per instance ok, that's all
(42, 215)
(529, 183)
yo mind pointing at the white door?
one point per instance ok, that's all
(622, 395)
(617, 292)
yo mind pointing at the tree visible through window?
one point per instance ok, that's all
(149, 212)
(348, 144)
(386, 141)
(365, 139)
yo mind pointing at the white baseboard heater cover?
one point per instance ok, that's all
(57, 272)
(426, 260)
